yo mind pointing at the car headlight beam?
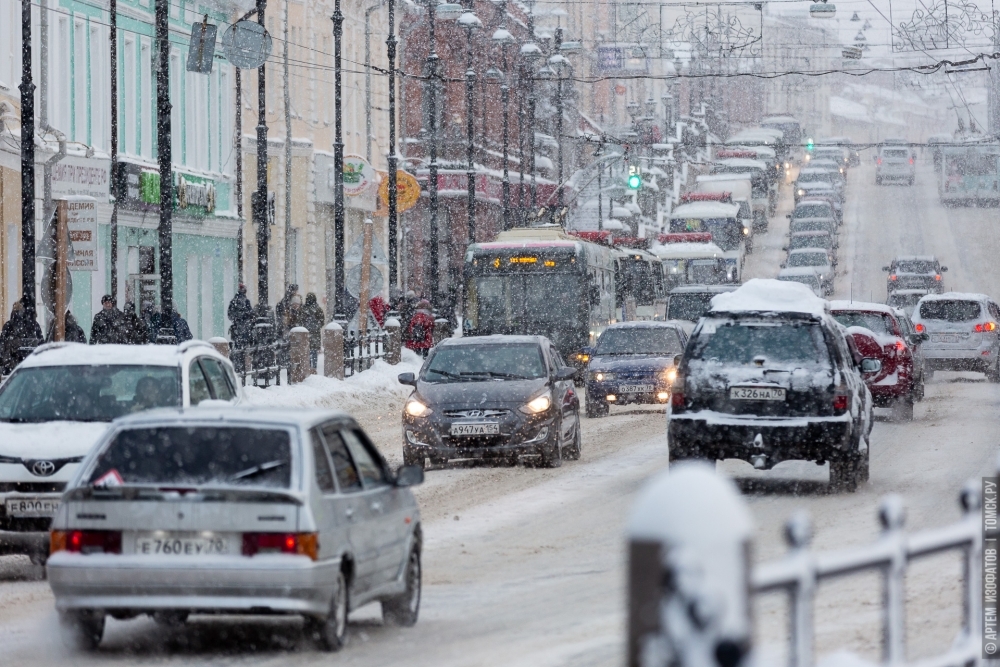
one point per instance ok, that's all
(415, 408)
(538, 404)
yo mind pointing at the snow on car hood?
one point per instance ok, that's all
(51, 440)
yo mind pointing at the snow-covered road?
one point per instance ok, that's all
(526, 567)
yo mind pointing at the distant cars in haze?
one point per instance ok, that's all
(915, 272)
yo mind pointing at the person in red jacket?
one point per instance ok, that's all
(420, 331)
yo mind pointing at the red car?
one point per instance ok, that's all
(884, 333)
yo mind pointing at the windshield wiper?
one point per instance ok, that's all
(256, 470)
(494, 374)
(446, 374)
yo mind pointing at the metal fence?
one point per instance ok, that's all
(361, 351)
(262, 363)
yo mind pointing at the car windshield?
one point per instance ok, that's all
(813, 211)
(897, 300)
(196, 456)
(880, 323)
(950, 310)
(895, 152)
(689, 307)
(916, 266)
(811, 280)
(811, 225)
(808, 259)
(639, 340)
(810, 241)
(87, 393)
(814, 177)
(778, 343)
(497, 361)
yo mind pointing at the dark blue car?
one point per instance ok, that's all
(633, 362)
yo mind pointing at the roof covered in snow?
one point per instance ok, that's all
(763, 295)
(685, 250)
(79, 354)
(705, 209)
(863, 306)
(950, 296)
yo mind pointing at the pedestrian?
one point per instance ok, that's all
(74, 332)
(312, 318)
(147, 312)
(407, 306)
(279, 310)
(293, 314)
(177, 326)
(378, 308)
(241, 315)
(420, 331)
(108, 324)
(18, 334)
(134, 331)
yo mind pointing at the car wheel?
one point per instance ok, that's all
(597, 408)
(411, 458)
(330, 632)
(551, 455)
(81, 629)
(402, 611)
(993, 375)
(844, 475)
(902, 409)
(170, 619)
(863, 468)
(573, 451)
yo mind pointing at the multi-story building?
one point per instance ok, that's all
(78, 109)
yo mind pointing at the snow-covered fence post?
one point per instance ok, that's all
(220, 344)
(688, 573)
(394, 341)
(299, 369)
(333, 351)
(442, 329)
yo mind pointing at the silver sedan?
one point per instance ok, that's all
(227, 510)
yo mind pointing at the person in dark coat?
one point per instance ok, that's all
(179, 327)
(108, 324)
(407, 306)
(20, 331)
(420, 331)
(312, 319)
(279, 310)
(134, 330)
(241, 315)
(74, 332)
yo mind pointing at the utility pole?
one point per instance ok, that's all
(113, 9)
(470, 22)
(338, 163)
(390, 44)
(238, 148)
(166, 333)
(260, 196)
(432, 172)
(27, 89)
(559, 122)
(289, 233)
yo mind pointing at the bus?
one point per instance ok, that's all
(639, 275)
(721, 220)
(540, 281)
(970, 174)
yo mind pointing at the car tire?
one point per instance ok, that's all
(81, 629)
(572, 453)
(902, 409)
(993, 374)
(596, 409)
(878, 181)
(411, 458)
(170, 619)
(403, 610)
(863, 467)
(551, 455)
(844, 475)
(330, 632)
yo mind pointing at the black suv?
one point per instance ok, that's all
(770, 376)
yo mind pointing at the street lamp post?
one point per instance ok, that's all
(503, 37)
(27, 89)
(390, 45)
(530, 52)
(432, 169)
(259, 202)
(559, 119)
(166, 333)
(470, 22)
(338, 164)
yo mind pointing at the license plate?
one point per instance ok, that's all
(757, 393)
(484, 428)
(32, 506)
(635, 388)
(945, 338)
(180, 545)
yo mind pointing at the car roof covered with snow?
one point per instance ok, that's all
(796, 271)
(705, 209)
(915, 258)
(703, 289)
(647, 324)
(494, 339)
(708, 178)
(956, 296)
(807, 251)
(862, 306)
(686, 250)
(219, 414)
(80, 354)
(742, 162)
(764, 295)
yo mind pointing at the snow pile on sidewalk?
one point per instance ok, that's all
(376, 386)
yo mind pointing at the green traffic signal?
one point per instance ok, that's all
(809, 144)
(634, 182)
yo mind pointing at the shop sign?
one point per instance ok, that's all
(194, 195)
(136, 187)
(72, 176)
(407, 191)
(359, 175)
(81, 223)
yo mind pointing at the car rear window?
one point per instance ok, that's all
(814, 177)
(780, 343)
(689, 307)
(916, 266)
(490, 361)
(810, 241)
(808, 259)
(878, 322)
(639, 340)
(813, 211)
(950, 310)
(811, 280)
(895, 152)
(196, 456)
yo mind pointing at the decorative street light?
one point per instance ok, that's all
(390, 46)
(503, 38)
(559, 60)
(27, 89)
(471, 23)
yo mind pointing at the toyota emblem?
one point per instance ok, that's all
(43, 468)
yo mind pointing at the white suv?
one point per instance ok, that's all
(964, 333)
(894, 163)
(59, 401)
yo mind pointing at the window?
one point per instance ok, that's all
(347, 475)
(217, 377)
(99, 93)
(80, 106)
(324, 476)
(146, 119)
(367, 460)
(129, 93)
(950, 310)
(476, 363)
(880, 323)
(198, 385)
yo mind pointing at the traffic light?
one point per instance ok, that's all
(634, 178)
(809, 144)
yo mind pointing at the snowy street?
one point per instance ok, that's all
(525, 567)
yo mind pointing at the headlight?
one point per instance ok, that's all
(601, 377)
(788, 166)
(746, 232)
(537, 405)
(415, 408)
(670, 374)
(801, 192)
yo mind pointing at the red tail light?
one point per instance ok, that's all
(840, 404)
(900, 346)
(306, 544)
(677, 400)
(911, 160)
(879, 161)
(919, 328)
(988, 326)
(892, 277)
(86, 541)
(937, 277)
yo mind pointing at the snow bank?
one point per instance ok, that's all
(375, 386)
(770, 296)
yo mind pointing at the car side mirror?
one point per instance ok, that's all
(407, 378)
(566, 373)
(677, 361)
(886, 269)
(943, 269)
(871, 365)
(409, 476)
(924, 336)
(788, 215)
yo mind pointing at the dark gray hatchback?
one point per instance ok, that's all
(500, 398)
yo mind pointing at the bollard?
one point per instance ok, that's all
(333, 351)
(442, 329)
(688, 586)
(394, 341)
(299, 369)
(221, 345)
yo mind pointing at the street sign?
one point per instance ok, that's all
(358, 175)
(201, 51)
(81, 223)
(352, 281)
(407, 191)
(246, 44)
